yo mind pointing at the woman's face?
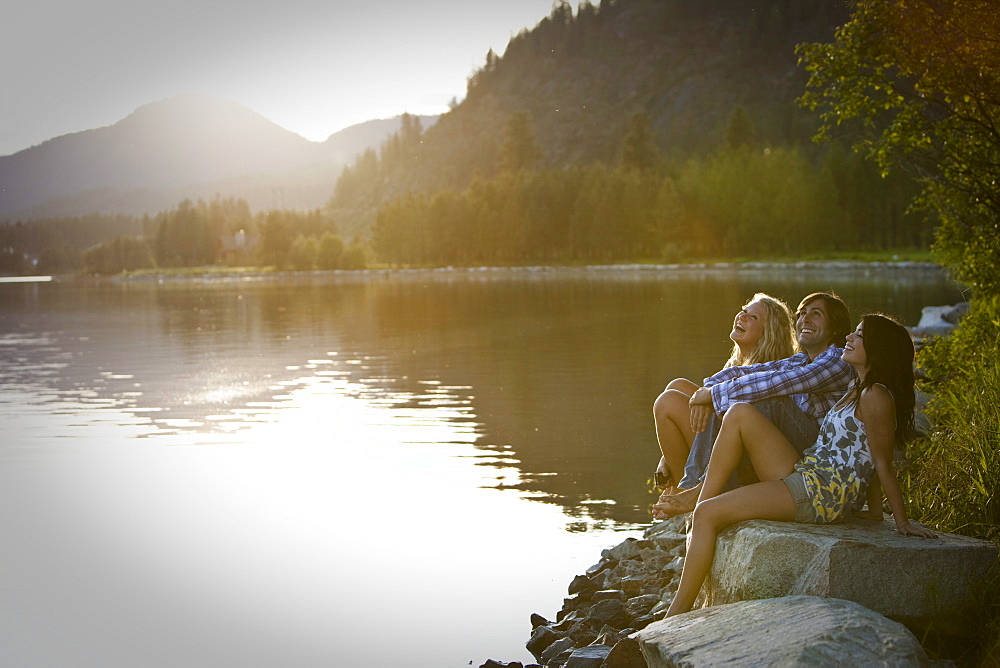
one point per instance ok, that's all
(854, 348)
(748, 326)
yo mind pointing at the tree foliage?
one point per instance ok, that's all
(916, 85)
(194, 234)
(735, 203)
(118, 255)
(685, 65)
(519, 150)
(639, 149)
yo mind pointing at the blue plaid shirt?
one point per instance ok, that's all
(814, 385)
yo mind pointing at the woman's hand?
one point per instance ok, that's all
(699, 417)
(908, 529)
(701, 396)
(661, 477)
(701, 409)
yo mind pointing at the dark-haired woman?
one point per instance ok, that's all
(830, 479)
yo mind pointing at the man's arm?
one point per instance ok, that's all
(825, 373)
(763, 367)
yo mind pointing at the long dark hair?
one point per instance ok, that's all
(889, 349)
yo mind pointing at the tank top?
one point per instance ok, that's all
(839, 466)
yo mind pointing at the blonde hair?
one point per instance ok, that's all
(778, 341)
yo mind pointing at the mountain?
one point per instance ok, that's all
(690, 65)
(186, 147)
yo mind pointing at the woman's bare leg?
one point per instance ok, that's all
(745, 429)
(671, 414)
(769, 500)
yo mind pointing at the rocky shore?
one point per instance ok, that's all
(851, 593)
(629, 588)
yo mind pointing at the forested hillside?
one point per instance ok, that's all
(632, 128)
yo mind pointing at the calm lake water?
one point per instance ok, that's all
(341, 470)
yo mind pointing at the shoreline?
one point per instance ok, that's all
(808, 267)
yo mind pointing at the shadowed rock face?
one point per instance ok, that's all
(791, 631)
(923, 583)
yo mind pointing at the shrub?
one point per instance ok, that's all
(953, 481)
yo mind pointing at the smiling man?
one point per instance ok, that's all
(794, 393)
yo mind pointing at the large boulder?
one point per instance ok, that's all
(927, 584)
(793, 631)
(939, 320)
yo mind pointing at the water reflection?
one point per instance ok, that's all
(554, 373)
(425, 444)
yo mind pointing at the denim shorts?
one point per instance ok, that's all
(805, 513)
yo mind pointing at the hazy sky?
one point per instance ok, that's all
(310, 66)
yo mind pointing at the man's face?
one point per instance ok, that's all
(812, 326)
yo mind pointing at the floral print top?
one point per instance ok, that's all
(839, 466)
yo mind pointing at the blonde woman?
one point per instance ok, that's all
(762, 331)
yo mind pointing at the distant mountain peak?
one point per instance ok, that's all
(191, 145)
(200, 114)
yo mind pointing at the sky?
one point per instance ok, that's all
(312, 67)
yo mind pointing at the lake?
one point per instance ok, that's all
(370, 469)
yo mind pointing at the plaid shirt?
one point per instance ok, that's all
(814, 385)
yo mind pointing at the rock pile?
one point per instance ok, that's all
(613, 617)
(629, 588)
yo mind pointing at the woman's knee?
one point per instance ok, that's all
(706, 515)
(682, 385)
(741, 412)
(670, 404)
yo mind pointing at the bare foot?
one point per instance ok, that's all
(676, 504)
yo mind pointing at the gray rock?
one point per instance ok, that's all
(673, 525)
(601, 566)
(556, 648)
(591, 656)
(675, 565)
(537, 620)
(626, 654)
(793, 631)
(643, 621)
(654, 560)
(660, 608)
(640, 605)
(610, 612)
(610, 636)
(956, 313)
(584, 632)
(627, 549)
(540, 639)
(632, 584)
(924, 583)
(581, 583)
(572, 617)
(605, 594)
